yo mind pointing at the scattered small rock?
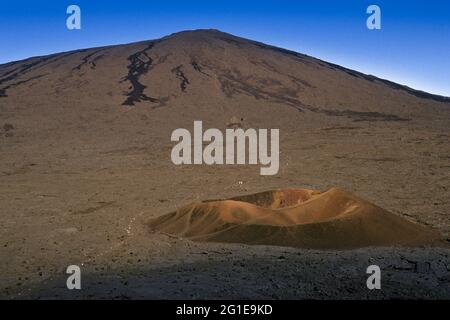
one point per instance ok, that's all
(8, 127)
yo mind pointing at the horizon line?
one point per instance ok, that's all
(407, 87)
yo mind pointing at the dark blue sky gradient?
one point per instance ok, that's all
(412, 48)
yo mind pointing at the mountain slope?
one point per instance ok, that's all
(159, 71)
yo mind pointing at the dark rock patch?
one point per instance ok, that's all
(184, 81)
(87, 60)
(198, 68)
(140, 64)
(8, 127)
(24, 68)
(364, 116)
(18, 83)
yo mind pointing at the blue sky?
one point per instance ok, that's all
(412, 48)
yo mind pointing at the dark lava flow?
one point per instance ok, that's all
(180, 75)
(140, 63)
